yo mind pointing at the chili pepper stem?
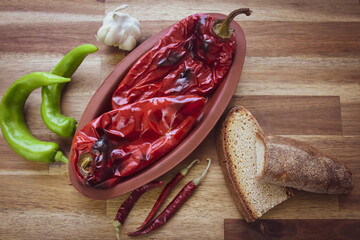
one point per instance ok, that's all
(222, 27)
(185, 170)
(59, 157)
(117, 226)
(196, 181)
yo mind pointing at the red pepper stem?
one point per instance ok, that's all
(185, 170)
(196, 181)
(222, 27)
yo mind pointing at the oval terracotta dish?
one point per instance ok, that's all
(217, 102)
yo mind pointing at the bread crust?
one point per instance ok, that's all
(227, 166)
(261, 138)
(296, 164)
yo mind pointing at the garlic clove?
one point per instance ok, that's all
(101, 34)
(128, 44)
(111, 36)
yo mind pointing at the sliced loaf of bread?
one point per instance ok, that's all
(238, 139)
(287, 162)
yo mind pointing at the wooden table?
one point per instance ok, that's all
(301, 79)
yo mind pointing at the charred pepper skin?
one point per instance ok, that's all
(12, 120)
(50, 106)
(189, 59)
(128, 139)
(193, 57)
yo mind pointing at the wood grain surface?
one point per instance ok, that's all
(301, 79)
(293, 229)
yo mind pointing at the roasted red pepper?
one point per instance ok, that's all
(158, 101)
(189, 59)
(126, 140)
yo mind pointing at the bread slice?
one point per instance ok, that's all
(295, 164)
(236, 143)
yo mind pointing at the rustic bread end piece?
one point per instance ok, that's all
(236, 145)
(292, 163)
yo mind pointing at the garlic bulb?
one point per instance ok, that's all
(119, 30)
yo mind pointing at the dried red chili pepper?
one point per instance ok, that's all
(192, 58)
(129, 203)
(126, 140)
(166, 191)
(175, 204)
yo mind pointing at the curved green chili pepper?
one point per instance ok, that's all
(12, 121)
(50, 105)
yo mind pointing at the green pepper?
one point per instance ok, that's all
(12, 121)
(50, 94)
